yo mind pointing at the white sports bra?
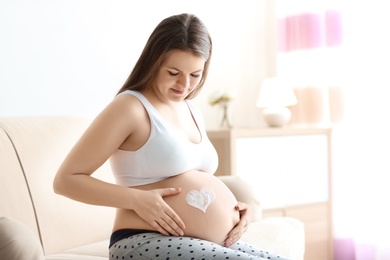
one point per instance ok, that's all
(166, 153)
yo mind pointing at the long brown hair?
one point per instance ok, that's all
(184, 32)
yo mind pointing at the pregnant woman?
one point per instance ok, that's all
(169, 203)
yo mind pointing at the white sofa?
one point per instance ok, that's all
(35, 223)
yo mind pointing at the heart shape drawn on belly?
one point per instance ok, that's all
(200, 199)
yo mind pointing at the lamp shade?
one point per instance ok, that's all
(276, 92)
(275, 96)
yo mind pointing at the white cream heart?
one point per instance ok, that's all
(200, 199)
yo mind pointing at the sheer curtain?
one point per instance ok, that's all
(337, 54)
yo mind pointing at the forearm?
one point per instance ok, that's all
(87, 189)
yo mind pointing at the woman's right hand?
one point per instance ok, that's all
(151, 207)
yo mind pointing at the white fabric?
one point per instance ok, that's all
(166, 153)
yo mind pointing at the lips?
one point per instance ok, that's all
(176, 91)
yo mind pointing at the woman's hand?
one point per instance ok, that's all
(151, 207)
(242, 226)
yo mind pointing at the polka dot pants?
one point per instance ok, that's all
(157, 246)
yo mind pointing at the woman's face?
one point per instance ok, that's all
(178, 75)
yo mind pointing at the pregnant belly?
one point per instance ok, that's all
(205, 205)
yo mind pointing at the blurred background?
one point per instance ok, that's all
(70, 58)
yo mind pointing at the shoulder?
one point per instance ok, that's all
(124, 112)
(128, 105)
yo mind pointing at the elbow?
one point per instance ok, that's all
(56, 185)
(59, 185)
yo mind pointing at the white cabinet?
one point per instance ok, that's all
(290, 170)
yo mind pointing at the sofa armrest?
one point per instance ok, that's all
(243, 192)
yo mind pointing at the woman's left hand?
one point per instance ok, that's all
(242, 226)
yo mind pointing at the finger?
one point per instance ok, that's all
(240, 225)
(159, 228)
(235, 234)
(175, 223)
(232, 239)
(174, 220)
(169, 191)
(241, 206)
(164, 223)
(232, 234)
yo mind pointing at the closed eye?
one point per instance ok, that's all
(194, 75)
(173, 73)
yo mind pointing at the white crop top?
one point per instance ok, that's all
(166, 153)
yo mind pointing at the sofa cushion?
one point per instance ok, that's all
(96, 251)
(243, 192)
(283, 235)
(17, 241)
(42, 143)
(15, 199)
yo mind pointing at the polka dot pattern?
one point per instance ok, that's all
(148, 246)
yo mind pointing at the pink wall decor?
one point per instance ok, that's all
(344, 249)
(349, 249)
(333, 28)
(309, 31)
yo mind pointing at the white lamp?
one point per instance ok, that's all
(275, 96)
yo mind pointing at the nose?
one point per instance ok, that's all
(184, 81)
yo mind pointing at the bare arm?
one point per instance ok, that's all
(106, 133)
(118, 122)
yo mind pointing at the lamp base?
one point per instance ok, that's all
(277, 116)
